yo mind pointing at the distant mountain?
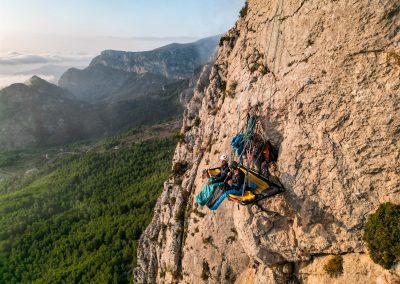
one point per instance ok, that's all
(38, 113)
(173, 61)
(93, 83)
(117, 91)
(99, 82)
(48, 70)
(117, 75)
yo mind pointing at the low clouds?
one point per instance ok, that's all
(14, 58)
(6, 80)
(17, 67)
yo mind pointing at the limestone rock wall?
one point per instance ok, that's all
(326, 79)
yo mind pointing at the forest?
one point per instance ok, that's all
(80, 221)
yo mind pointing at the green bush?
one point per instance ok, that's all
(8, 158)
(243, 11)
(180, 213)
(334, 267)
(196, 121)
(223, 85)
(179, 168)
(110, 143)
(382, 235)
(205, 274)
(180, 137)
(393, 55)
(222, 39)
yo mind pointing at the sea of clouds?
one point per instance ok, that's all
(17, 67)
(15, 58)
(7, 80)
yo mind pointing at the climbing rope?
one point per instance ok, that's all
(276, 25)
(277, 34)
(238, 121)
(272, 89)
(252, 120)
(246, 177)
(250, 127)
(233, 152)
(272, 29)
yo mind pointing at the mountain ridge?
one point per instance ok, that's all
(112, 70)
(123, 59)
(39, 113)
(97, 101)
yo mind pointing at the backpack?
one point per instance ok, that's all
(237, 143)
(269, 153)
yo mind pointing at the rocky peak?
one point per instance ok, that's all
(115, 75)
(36, 81)
(44, 89)
(35, 88)
(325, 79)
(173, 61)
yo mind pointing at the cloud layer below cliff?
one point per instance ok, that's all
(6, 80)
(15, 58)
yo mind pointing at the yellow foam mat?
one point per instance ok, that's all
(247, 196)
(214, 172)
(261, 185)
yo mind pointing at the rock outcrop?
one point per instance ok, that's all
(326, 78)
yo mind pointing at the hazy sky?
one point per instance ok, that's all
(71, 25)
(37, 33)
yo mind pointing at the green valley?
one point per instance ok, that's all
(78, 219)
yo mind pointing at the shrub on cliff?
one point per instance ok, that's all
(205, 274)
(334, 267)
(243, 11)
(222, 39)
(382, 235)
(179, 168)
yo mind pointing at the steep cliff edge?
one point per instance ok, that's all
(326, 78)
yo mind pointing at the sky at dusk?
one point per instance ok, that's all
(34, 33)
(25, 24)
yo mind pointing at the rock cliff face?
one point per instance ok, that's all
(326, 77)
(173, 61)
(119, 75)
